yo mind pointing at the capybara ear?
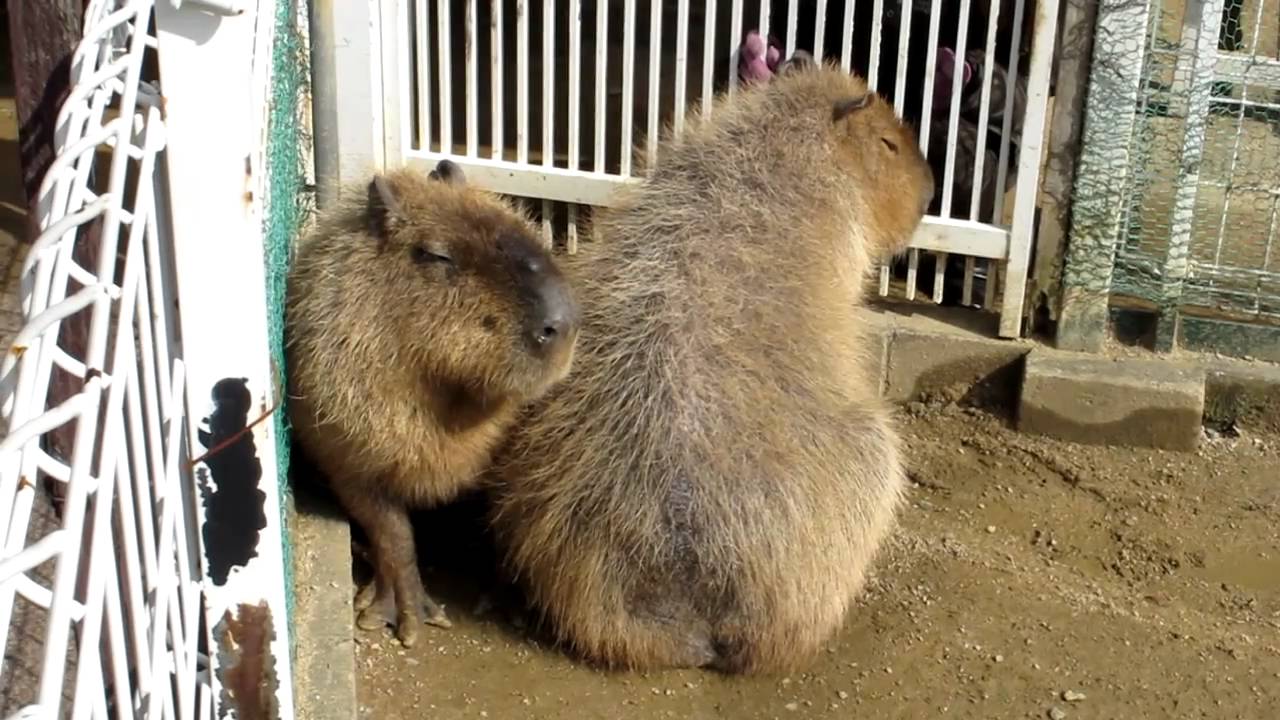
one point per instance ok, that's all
(384, 205)
(449, 172)
(798, 62)
(844, 108)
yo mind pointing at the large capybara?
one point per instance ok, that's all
(709, 488)
(422, 313)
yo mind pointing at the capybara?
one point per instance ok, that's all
(709, 488)
(422, 313)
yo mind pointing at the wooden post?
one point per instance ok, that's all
(43, 34)
(1075, 51)
(43, 37)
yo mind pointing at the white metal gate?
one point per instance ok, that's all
(463, 80)
(111, 602)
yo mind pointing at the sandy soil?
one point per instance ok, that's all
(1030, 579)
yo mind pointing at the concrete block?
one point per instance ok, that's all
(1101, 401)
(1244, 395)
(879, 335)
(324, 670)
(953, 367)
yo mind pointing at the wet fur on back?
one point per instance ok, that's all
(711, 485)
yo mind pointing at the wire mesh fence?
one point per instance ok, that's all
(1187, 161)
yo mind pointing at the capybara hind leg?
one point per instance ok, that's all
(396, 595)
(662, 633)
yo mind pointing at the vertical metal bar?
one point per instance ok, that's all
(984, 115)
(939, 275)
(522, 83)
(655, 79)
(966, 293)
(1029, 154)
(422, 45)
(496, 89)
(548, 106)
(575, 112)
(791, 26)
(877, 29)
(627, 151)
(575, 81)
(735, 37)
(473, 82)
(846, 49)
(765, 7)
(445, 80)
(1006, 134)
(913, 267)
(904, 43)
(1197, 57)
(708, 56)
(819, 29)
(602, 77)
(990, 292)
(682, 65)
(953, 117)
(931, 60)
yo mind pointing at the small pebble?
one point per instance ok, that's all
(1072, 696)
(792, 706)
(999, 658)
(1056, 714)
(843, 695)
(991, 528)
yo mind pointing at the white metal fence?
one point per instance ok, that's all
(109, 603)
(546, 100)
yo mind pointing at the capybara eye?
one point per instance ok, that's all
(893, 146)
(423, 256)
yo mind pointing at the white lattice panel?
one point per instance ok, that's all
(107, 609)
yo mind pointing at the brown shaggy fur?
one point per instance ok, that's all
(412, 315)
(711, 485)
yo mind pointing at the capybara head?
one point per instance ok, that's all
(874, 148)
(473, 294)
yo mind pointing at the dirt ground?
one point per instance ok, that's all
(1030, 579)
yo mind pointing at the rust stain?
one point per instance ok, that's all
(246, 667)
(24, 482)
(18, 350)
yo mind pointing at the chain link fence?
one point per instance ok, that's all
(1177, 202)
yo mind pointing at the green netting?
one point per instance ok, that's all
(287, 206)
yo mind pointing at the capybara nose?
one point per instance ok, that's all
(556, 317)
(553, 327)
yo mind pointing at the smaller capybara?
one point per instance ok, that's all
(711, 487)
(422, 314)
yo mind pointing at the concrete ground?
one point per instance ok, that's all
(1029, 578)
(1032, 567)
